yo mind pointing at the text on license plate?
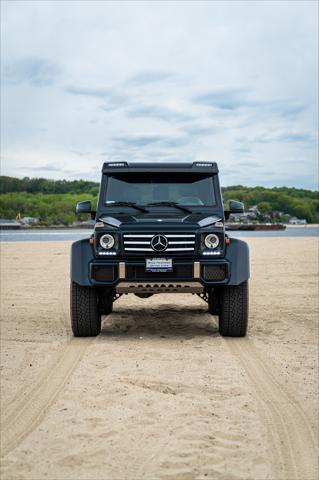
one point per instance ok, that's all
(159, 265)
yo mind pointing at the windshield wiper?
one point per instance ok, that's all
(171, 204)
(128, 204)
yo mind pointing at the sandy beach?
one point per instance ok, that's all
(159, 394)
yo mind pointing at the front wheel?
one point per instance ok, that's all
(85, 314)
(233, 315)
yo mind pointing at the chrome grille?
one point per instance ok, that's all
(176, 242)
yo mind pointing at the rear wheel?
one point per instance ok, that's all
(213, 302)
(233, 315)
(85, 315)
(106, 302)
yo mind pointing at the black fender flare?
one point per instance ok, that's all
(237, 254)
(81, 256)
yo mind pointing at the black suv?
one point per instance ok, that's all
(159, 228)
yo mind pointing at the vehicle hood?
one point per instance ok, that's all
(194, 220)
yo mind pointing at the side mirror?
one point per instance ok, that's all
(84, 207)
(236, 207)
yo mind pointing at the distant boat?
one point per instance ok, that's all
(255, 226)
(6, 224)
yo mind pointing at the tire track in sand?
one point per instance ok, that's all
(25, 391)
(292, 440)
(26, 412)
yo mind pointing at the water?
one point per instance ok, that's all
(71, 235)
(45, 235)
(308, 231)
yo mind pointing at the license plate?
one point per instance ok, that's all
(159, 264)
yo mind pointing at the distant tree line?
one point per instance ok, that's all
(277, 202)
(53, 201)
(42, 185)
(50, 209)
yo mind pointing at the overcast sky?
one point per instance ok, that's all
(85, 82)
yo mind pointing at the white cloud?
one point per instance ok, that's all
(234, 82)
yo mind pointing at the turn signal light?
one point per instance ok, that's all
(99, 225)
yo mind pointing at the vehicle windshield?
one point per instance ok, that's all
(150, 188)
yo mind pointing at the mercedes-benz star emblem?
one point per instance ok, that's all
(159, 243)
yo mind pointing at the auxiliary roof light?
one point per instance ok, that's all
(117, 164)
(202, 164)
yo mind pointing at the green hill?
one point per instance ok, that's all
(53, 201)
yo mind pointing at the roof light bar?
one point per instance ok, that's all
(202, 164)
(117, 164)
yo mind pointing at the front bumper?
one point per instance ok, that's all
(197, 273)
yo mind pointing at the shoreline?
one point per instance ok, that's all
(259, 227)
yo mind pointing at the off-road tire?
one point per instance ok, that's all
(213, 303)
(85, 315)
(233, 315)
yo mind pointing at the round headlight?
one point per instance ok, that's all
(211, 240)
(107, 241)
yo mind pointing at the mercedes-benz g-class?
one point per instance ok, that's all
(159, 228)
